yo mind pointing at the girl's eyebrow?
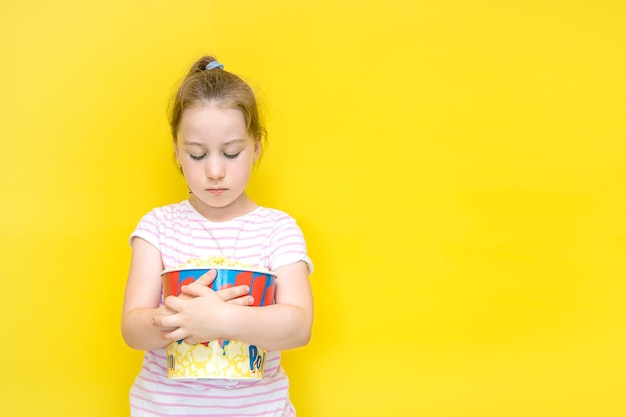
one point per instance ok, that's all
(234, 141)
(189, 143)
(230, 142)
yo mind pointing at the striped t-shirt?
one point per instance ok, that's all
(265, 238)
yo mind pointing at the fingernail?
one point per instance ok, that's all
(152, 321)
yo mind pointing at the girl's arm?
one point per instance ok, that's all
(283, 325)
(143, 297)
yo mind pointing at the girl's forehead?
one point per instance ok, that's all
(226, 142)
(214, 116)
(211, 106)
(211, 125)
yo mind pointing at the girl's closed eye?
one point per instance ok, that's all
(197, 157)
(232, 155)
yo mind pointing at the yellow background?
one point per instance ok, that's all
(457, 167)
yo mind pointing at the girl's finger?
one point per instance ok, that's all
(195, 290)
(248, 300)
(192, 340)
(173, 335)
(232, 293)
(207, 279)
(174, 303)
(163, 322)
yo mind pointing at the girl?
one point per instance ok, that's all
(217, 139)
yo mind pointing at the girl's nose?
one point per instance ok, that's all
(214, 169)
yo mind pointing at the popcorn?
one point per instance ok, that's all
(217, 261)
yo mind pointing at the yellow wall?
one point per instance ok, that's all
(457, 166)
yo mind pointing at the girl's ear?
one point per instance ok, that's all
(176, 153)
(257, 150)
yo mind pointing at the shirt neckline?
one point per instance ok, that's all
(196, 213)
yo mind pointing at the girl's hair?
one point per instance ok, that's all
(204, 86)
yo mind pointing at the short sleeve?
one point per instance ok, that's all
(148, 230)
(288, 245)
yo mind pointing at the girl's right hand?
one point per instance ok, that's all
(238, 295)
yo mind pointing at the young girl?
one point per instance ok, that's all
(217, 140)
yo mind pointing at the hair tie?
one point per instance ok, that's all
(214, 64)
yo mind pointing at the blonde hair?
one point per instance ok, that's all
(222, 88)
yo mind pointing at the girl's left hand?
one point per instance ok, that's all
(235, 295)
(195, 307)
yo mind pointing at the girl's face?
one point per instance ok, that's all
(216, 154)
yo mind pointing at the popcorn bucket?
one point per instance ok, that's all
(218, 359)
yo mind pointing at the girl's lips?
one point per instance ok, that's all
(216, 190)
